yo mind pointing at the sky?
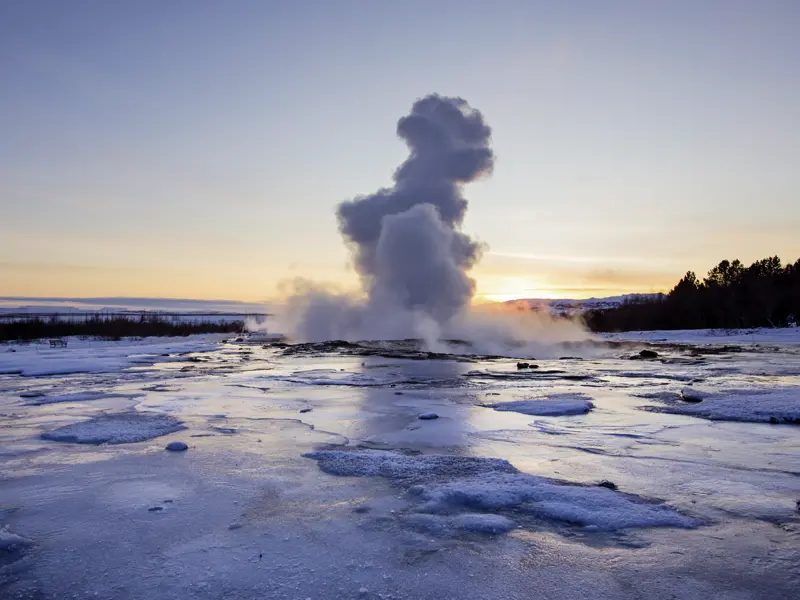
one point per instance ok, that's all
(198, 149)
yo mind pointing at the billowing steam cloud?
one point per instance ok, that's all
(406, 243)
(412, 257)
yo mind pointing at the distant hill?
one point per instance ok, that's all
(565, 306)
(9, 304)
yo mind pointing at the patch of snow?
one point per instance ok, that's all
(377, 463)
(597, 507)
(780, 405)
(123, 428)
(445, 485)
(554, 406)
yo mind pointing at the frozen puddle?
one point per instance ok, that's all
(123, 428)
(456, 488)
(41, 399)
(553, 406)
(781, 405)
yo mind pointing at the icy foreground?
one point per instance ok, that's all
(308, 473)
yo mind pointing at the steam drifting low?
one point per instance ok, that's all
(406, 241)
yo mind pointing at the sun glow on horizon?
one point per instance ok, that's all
(503, 288)
(508, 296)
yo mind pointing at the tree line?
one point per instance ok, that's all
(110, 328)
(765, 294)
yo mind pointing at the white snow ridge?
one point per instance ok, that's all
(458, 487)
(778, 406)
(559, 405)
(121, 428)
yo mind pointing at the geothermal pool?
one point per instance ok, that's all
(595, 473)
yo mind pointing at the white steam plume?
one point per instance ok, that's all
(406, 241)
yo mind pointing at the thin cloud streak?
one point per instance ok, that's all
(578, 259)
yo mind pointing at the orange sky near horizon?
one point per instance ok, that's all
(201, 150)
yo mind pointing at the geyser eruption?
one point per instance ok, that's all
(410, 253)
(406, 240)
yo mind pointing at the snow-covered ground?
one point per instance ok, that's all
(96, 356)
(759, 335)
(309, 473)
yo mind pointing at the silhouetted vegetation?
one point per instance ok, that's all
(765, 294)
(112, 328)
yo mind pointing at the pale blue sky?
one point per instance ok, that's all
(198, 149)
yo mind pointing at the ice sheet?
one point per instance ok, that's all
(125, 428)
(553, 406)
(513, 500)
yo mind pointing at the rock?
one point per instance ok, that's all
(398, 393)
(607, 484)
(523, 365)
(648, 354)
(428, 416)
(691, 395)
(362, 509)
(177, 446)
(13, 547)
(155, 509)
(306, 410)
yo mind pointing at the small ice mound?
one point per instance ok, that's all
(122, 428)
(596, 507)
(777, 406)
(392, 465)
(444, 526)
(561, 405)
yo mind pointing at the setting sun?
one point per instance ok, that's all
(494, 288)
